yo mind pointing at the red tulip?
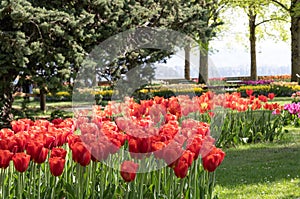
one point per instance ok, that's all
(58, 152)
(57, 121)
(171, 153)
(157, 148)
(5, 158)
(213, 159)
(21, 161)
(181, 169)
(262, 98)
(4, 144)
(128, 170)
(19, 126)
(37, 151)
(195, 144)
(5, 132)
(256, 105)
(249, 92)
(100, 151)
(42, 156)
(49, 140)
(271, 96)
(187, 157)
(16, 144)
(80, 154)
(56, 165)
(133, 146)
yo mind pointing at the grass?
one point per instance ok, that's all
(282, 100)
(262, 171)
(35, 104)
(32, 108)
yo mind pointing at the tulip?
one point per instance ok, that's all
(262, 98)
(5, 158)
(58, 152)
(57, 121)
(213, 159)
(56, 165)
(21, 161)
(42, 156)
(80, 154)
(37, 151)
(128, 170)
(181, 169)
(271, 96)
(249, 92)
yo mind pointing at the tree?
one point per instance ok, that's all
(211, 22)
(48, 40)
(292, 8)
(39, 43)
(258, 12)
(187, 55)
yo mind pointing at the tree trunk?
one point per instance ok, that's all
(6, 101)
(252, 38)
(203, 63)
(187, 66)
(295, 42)
(42, 99)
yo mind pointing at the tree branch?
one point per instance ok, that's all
(281, 5)
(38, 28)
(267, 20)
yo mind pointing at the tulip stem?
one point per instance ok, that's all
(39, 182)
(103, 182)
(128, 190)
(30, 177)
(79, 183)
(159, 182)
(33, 178)
(189, 185)
(19, 186)
(2, 182)
(212, 183)
(92, 176)
(196, 177)
(142, 181)
(3, 191)
(181, 194)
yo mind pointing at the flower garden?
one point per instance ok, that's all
(151, 148)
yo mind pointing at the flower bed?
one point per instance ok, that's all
(162, 147)
(278, 88)
(258, 82)
(78, 158)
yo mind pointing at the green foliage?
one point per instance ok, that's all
(247, 127)
(58, 114)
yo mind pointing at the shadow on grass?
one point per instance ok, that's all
(261, 163)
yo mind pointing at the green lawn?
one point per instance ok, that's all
(265, 170)
(32, 108)
(35, 104)
(282, 100)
